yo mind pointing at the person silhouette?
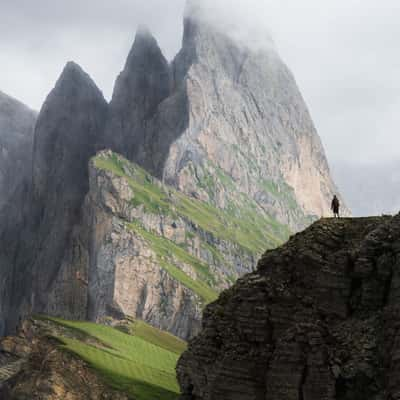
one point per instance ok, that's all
(335, 207)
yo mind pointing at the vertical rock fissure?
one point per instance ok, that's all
(303, 381)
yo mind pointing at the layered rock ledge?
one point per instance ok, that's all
(319, 320)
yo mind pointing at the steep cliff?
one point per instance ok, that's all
(37, 244)
(318, 320)
(223, 106)
(148, 251)
(143, 84)
(16, 142)
(67, 133)
(223, 125)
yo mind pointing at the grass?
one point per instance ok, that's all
(142, 364)
(167, 252)
(237, 227)
(159, 338)
(281, 191)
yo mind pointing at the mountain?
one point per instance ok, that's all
(221, 106)
(219, 161)
(67, 133)
(17, 122)
(318, 319)
(16, 141)
(370, 189)
(32, 252)
(152, 252)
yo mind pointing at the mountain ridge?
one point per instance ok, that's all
(222, 125)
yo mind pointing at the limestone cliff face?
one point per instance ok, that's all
(318, 320)
(223, 126)
(148, 251)
(248, 117)
(239, 110)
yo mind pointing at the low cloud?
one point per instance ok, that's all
(344, 54)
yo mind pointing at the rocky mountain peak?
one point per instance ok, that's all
(73, 85)
(61, 124)
(145, 50)
(223, 126)
(140, 88)
(68, 132)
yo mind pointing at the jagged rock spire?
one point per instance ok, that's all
(143, 84)
(69, 129)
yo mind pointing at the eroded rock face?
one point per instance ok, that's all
(222, 106)
(125, 249)
(16, 142)
(33, 366)
(318, 320)
(67, 133)
(222, 123)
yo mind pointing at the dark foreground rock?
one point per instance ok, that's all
(319, 320)
(32, 366)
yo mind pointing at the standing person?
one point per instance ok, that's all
(335, 206)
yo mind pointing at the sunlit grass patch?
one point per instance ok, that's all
(142, 364)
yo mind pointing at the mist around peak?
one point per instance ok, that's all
(235, 19)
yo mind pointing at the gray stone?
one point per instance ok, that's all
(262, 340)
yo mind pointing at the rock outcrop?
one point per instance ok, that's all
(150, 252)
(223, 125)
(222, 106)
(34, 366)
(139, 90)
(67, 133)
(318, 320)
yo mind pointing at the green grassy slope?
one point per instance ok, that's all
(142, 364)
(166, 250)
(242, 224)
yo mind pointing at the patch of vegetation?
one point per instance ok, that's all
(214, 251)
(236, 225)
(167, 251)
(282, 191)
(159, 338)
(142, 365)
(145, 188)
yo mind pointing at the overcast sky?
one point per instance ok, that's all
(344, 53)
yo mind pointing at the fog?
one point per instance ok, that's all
(343, 53)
